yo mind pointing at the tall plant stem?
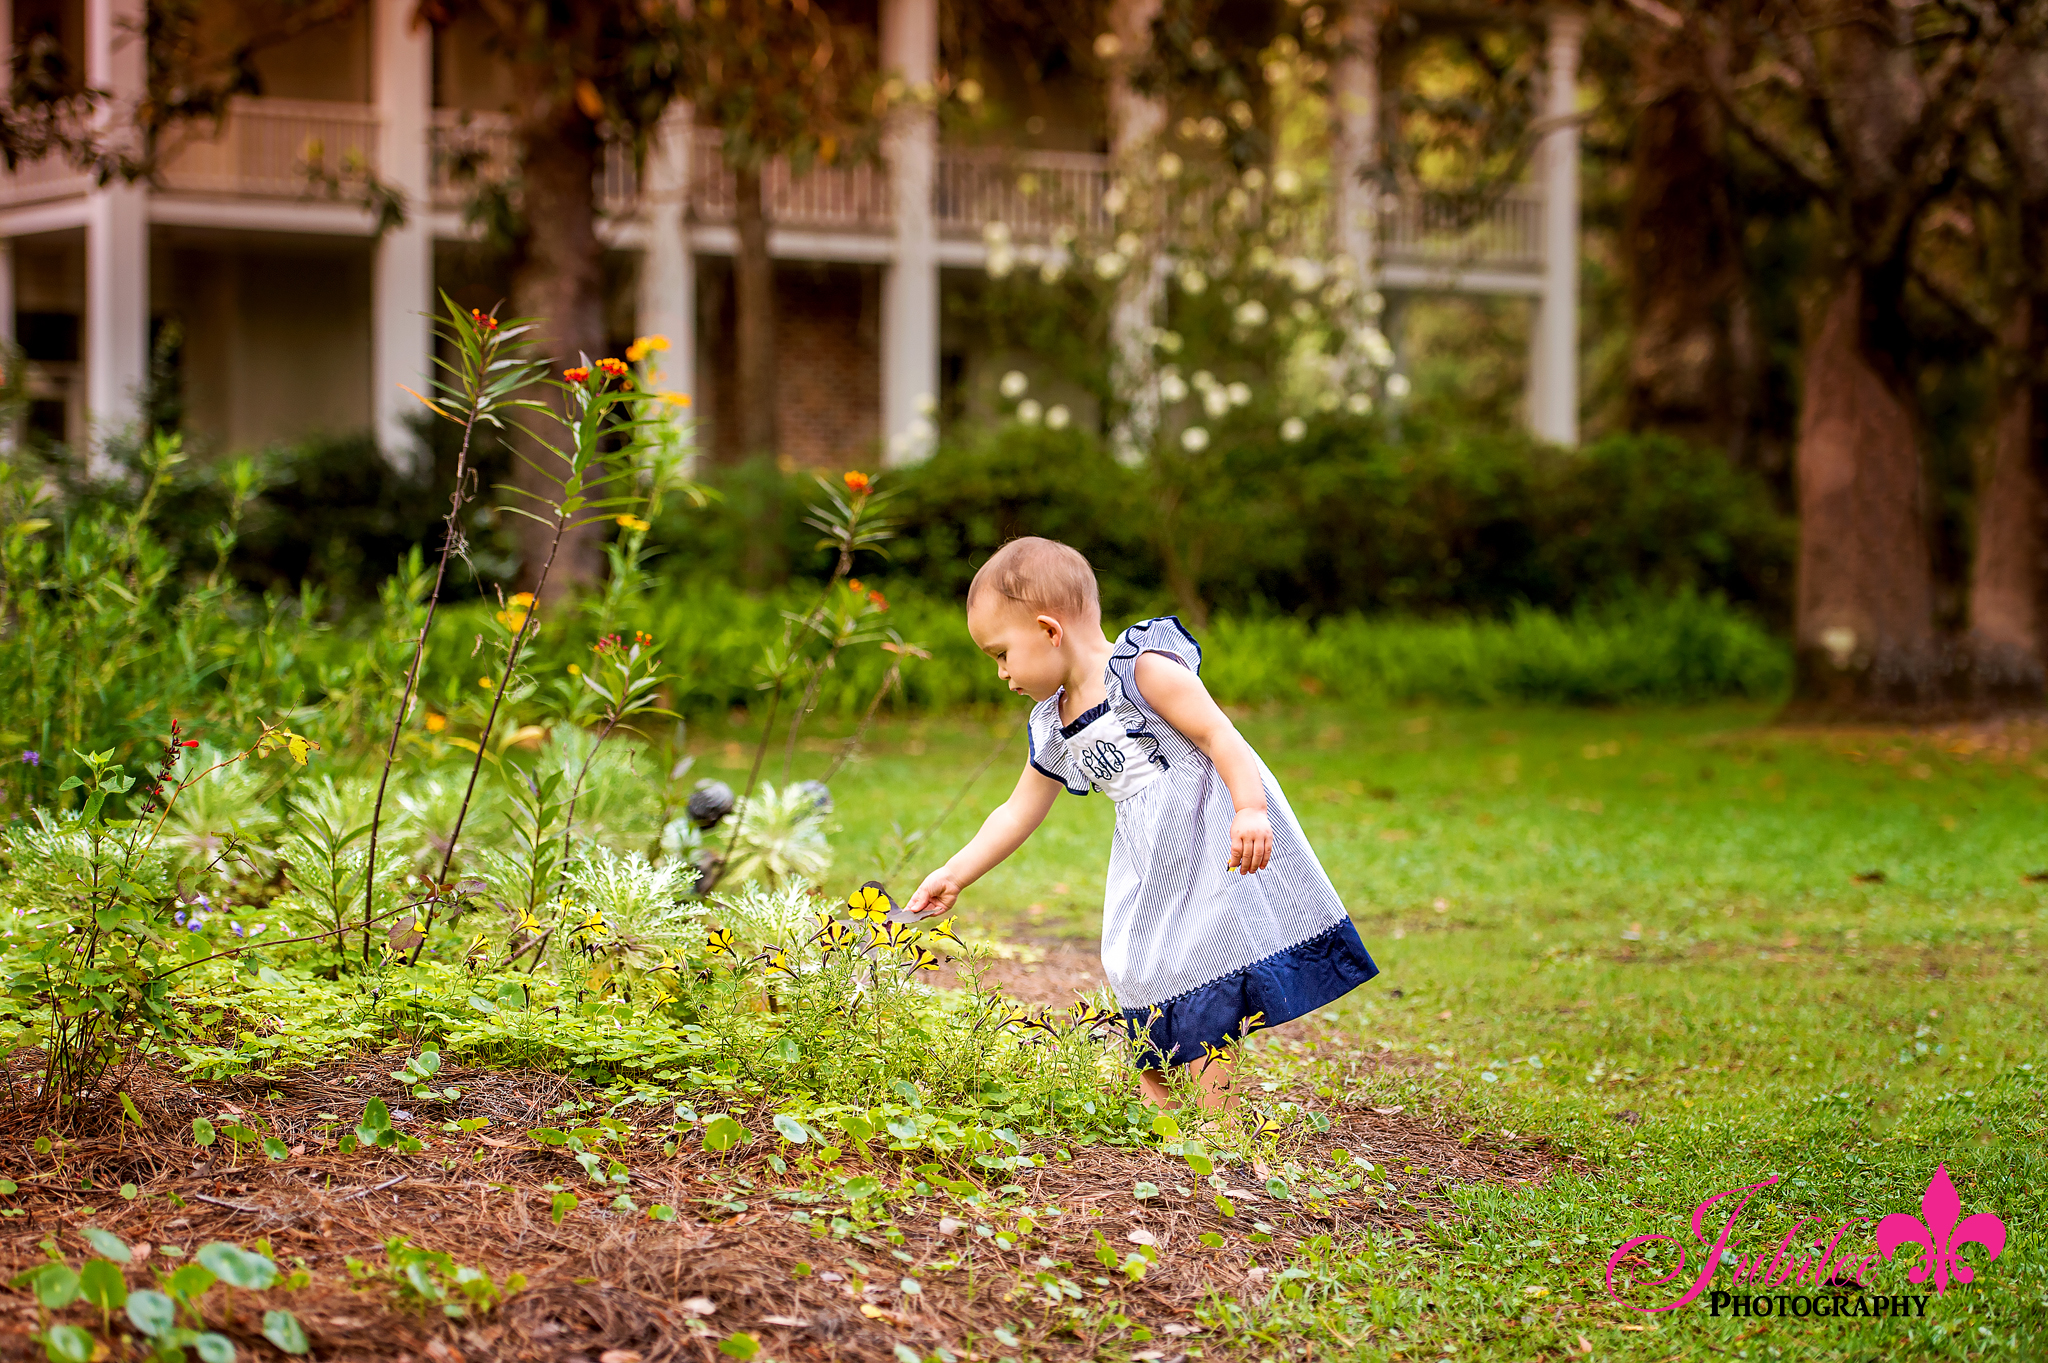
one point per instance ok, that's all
(860, 730)
(739, 813)
(419, 653)
(483, 742)
(569, 817)
(917, 839)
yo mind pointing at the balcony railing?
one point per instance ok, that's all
(1441, 231)
(38, 181)
(837, 198)
(1033, 193)
(476, 147)
(276, 149)
(298, 149)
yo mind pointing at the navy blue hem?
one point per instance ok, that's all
(1281, 987)
(1082, 721)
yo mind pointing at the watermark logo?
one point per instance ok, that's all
(1938, 1231)
(1808, 1256)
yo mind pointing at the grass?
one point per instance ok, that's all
(1684, 948)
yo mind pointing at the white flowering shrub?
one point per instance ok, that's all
(1220, 236)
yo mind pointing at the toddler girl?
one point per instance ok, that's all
(1217, 918)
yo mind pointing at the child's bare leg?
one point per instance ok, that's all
(1212, 1086)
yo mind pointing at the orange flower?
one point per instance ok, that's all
(857, 482)
(632, 522)
(643, 346)
(436, 723)
(853, 585)
(642, 637)
(577, 374)
(483, 319)
(875, 599)
(614, 367)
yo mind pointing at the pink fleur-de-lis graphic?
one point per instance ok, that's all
(1941, 1233)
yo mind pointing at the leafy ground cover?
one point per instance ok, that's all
(1631, 959)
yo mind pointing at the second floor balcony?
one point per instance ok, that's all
(271, 154)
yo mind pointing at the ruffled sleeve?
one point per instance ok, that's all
(1163, 634)
(1049, 749)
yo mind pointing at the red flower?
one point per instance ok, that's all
(190, 743)
(858, 483)
(875, 599)
(483, 319)
(577, 374)
(615, 368)
(853, 585)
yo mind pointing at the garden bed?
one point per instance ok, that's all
(914, 1272)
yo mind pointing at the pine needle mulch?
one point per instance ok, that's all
(607, 1286)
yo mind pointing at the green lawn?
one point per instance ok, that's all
(1687, 948)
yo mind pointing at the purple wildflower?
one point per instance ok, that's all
(30, 757)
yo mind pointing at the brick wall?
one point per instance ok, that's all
(828, 407)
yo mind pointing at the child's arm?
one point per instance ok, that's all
(1002, 833)
(1179, 697)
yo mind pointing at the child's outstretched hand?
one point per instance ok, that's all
(936, 895)
(1251, 842)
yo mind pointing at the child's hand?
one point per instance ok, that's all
(936, 895)
(1251, 842)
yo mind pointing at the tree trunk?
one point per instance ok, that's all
(2010, 571)
(1864, 621)
(559, 282)
(2006, 578)
(754, 288)
(1686, 369)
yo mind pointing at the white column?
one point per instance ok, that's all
(1135, 123)
(1554, 352)
(1354, 133)
(116, 228)
(402, 277)
(910, 288)
(668, 270)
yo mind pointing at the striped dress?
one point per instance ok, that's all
(1198, 955)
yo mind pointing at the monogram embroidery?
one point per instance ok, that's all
(1102, 760)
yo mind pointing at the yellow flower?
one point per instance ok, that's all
(575, 671)
(676, 399)
(644, 345)
(520, 600)
(633, 523)
(871, 902)
(485, 682)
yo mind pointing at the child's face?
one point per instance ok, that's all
(1026, 647)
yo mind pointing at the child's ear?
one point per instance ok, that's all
(1054, 630)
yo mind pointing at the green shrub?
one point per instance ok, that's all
(1356, 517)
(1684, 647)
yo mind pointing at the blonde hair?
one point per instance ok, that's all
(1041, 575)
